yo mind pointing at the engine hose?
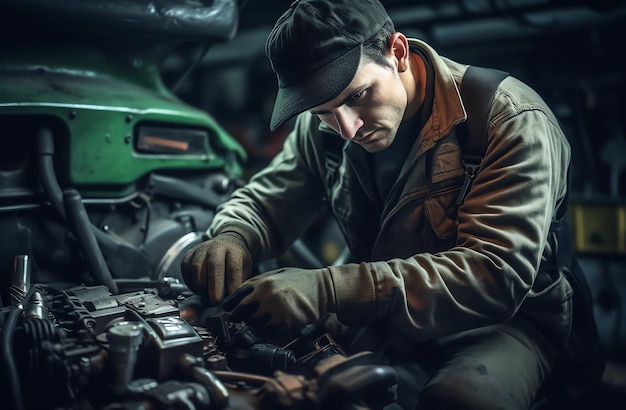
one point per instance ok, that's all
(116, 249)
(33, 334)
(45, 146)
(217, 390)
(12, 379)
(81, 226)
(242, 377)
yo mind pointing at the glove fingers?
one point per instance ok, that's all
(260, 324)
(217, 267)
(238, 266)
(191, 268)
(245, 313)
(234, 264)
(214, 269)
(233, 300)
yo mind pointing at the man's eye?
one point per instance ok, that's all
(357, 95)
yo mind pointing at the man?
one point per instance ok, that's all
(457, 289)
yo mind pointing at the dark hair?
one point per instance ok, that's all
(375, 48)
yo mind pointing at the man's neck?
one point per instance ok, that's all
(415, 84)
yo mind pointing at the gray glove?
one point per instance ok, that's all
(217, 267)
(279, 303)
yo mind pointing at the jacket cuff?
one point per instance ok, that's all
(355, 293)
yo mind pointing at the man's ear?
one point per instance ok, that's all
(399, 49)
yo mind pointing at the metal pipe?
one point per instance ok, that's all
(20, 280)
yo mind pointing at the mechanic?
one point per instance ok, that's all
(454, 294)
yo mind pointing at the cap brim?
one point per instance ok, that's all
(321, 86)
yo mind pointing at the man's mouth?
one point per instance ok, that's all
(363, 137)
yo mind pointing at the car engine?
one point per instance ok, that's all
(160, 348)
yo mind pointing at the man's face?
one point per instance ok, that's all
(370, 110)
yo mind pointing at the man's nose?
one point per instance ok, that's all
(348, 122)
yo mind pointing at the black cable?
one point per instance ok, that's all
(81, 226)
(108, 245)
(14, 389)
(146, 224)
(45, 148)
(192, 67)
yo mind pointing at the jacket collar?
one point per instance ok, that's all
(447, 109)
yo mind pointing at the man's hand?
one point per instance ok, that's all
(279, 303)
(217, 267)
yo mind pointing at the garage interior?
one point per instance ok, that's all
(571, 52)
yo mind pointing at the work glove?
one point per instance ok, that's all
(217, 267)
(279, 303)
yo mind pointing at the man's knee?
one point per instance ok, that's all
(466, 394)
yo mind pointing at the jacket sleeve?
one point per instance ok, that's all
(278, 203)
(501, 239)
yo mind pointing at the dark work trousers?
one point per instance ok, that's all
(495, 367)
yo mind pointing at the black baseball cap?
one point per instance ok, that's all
(315, 49)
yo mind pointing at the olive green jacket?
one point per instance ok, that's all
(424, 266)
